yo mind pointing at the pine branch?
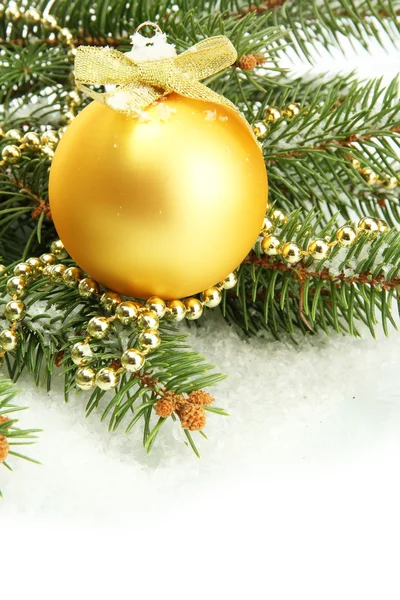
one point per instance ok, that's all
(325, 24)
(349, 287)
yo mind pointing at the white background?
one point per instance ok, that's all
(296, 494)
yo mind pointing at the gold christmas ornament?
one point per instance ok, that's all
(163, 194)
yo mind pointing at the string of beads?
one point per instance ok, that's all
(319, 248)
(146, 316)
(30, 141)
(272, 115)
(128, 313)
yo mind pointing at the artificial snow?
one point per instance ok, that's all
(322, 404)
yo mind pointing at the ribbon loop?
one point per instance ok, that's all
(141, 83)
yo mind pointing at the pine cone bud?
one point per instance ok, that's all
(192, 416)
(248, 62)
(3, 419)
(201, 398)
(164, 408)
(4, 448)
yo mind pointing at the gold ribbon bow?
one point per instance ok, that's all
(141, 83)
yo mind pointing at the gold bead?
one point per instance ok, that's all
(211, 297)
(368, 225)
(81, 354)
(11, 153)
(291, 253)
(355, 163)
(382, 225)
(16, 287)
(14, 134)
(260, 130)
(291, 110)
(149, 340)
(47, 271)
(12, 13)
(48, 259)
(31, 15)
(109, 301)
(73, 98)
(272, 114)
(8, 339)
(132, 360)
(67, 117)
(23, 270)
(31, 139)
(319, 249)
(230, 281)
(65, 36)
(15, 310)
(49, 22)
(148, 319)
(61, 131)
(85, 378)
(157, 305)
(267, 225)
(98, 327)
(88, 287)
(194, 308)
(72, 277)
(57, 248)
(71, 54)
(47, 151)
(3, 268)
(107, 378)
(127, 312)
(35, 264)
(2, 133)
(370, 176)
(49, 138)
(346, 235)
(176, 310)
(57, 272)
(278, 217)
(270, 245)
(391, 183)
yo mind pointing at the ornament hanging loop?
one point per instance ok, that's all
(148, 24)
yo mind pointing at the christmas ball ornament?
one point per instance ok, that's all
(161, 197)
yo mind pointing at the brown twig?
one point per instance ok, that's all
(300, 273)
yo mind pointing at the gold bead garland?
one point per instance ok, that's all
(146, 316)
(389, 182)
(272, 115)
(42, 143)
(319, 249)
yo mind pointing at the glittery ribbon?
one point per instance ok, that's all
(142, 83)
